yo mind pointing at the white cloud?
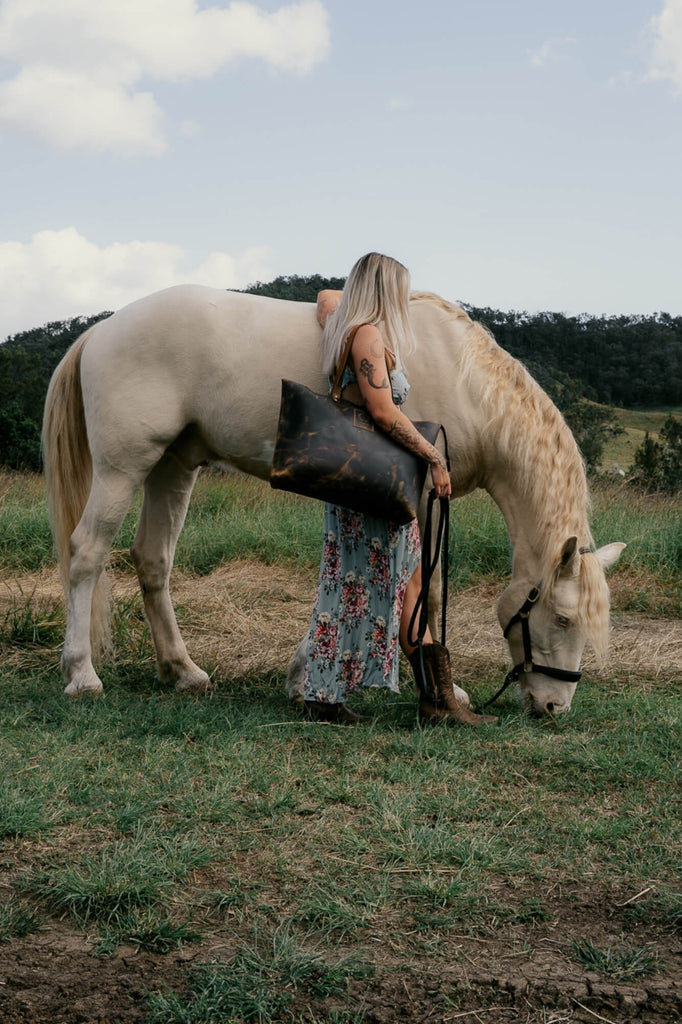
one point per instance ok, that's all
(60, 274)
(666, 57)
(550, 51)
(79, 62)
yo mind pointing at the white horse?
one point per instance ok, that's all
(192, 375)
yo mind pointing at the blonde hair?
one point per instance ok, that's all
(377, 291)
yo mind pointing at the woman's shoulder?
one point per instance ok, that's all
(372, 341)
(367, 334)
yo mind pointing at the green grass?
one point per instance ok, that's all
(234, 517)
(153, 821)
(636, 423)
(112, 885)
(31, 620)
(17, 920)
(260, 983)
(623, 962)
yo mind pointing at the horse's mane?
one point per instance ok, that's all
(530, 434)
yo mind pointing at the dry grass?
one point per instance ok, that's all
(247, 618)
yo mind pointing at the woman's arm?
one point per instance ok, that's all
(369, 363)
(327, 303)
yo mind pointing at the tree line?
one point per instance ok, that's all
(586, 363)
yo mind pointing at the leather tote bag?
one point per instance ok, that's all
(331, 449)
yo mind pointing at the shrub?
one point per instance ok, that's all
(658, 464)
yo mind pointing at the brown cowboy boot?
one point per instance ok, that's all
(437, 701)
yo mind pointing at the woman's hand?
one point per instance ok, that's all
(441, 479)
(327, 303)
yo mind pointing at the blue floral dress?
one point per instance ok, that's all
(365, 568)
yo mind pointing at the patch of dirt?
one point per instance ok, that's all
(520, 974)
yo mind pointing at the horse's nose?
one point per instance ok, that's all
(554, 707)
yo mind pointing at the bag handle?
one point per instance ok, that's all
(336, 384)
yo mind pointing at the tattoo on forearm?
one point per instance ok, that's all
(414, 442)
(368, 370)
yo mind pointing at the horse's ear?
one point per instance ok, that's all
(568, 561)
(610, 553)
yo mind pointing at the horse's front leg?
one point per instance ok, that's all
(167, 491)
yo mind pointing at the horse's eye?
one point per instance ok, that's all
(561, 620)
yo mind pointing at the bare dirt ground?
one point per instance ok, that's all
(53, 978)
(250, 617)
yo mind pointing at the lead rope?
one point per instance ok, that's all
(431, 557)
(430, 561)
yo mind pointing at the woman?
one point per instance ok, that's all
(370, 575)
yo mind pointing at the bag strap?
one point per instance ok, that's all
(430, 561)
(341, 366)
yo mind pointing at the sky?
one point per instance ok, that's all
(518, 154)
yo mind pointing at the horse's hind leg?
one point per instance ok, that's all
(109, 500)
(167, 491)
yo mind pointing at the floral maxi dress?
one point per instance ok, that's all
(365, 568)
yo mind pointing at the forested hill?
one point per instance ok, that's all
(626, 361)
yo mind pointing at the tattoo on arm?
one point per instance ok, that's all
(411, 439)
(368, 370)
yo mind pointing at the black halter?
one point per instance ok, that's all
(528, 665)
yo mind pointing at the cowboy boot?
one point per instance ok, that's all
(437, 701)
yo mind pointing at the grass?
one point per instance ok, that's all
(31, 620)
(151, 821)
(623, 962)
(237, 517)
(636, 423)
(259, 983)
(17, 920)
(115, 885)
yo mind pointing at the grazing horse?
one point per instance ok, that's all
(191, 375)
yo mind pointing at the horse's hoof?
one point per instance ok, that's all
(77, 690)
(198, 682)
(461, 696)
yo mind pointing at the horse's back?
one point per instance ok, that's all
(195, 356)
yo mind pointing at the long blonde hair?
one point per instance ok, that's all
(377, 291)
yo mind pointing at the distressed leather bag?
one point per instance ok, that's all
(331, 449)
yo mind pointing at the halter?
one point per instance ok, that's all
(528, 665)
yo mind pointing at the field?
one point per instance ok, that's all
(219, 859)
(620, 451)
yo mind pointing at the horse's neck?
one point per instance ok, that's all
(505, 435)
(509, 439)
(542, 495)
(524, 527)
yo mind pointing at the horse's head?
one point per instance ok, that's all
(547, 623)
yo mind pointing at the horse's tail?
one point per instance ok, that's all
(68, 476)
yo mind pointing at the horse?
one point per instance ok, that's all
(190, 376)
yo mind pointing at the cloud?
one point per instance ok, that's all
(550, 51)
(80, 62)
(666, 56)
(60, 274)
